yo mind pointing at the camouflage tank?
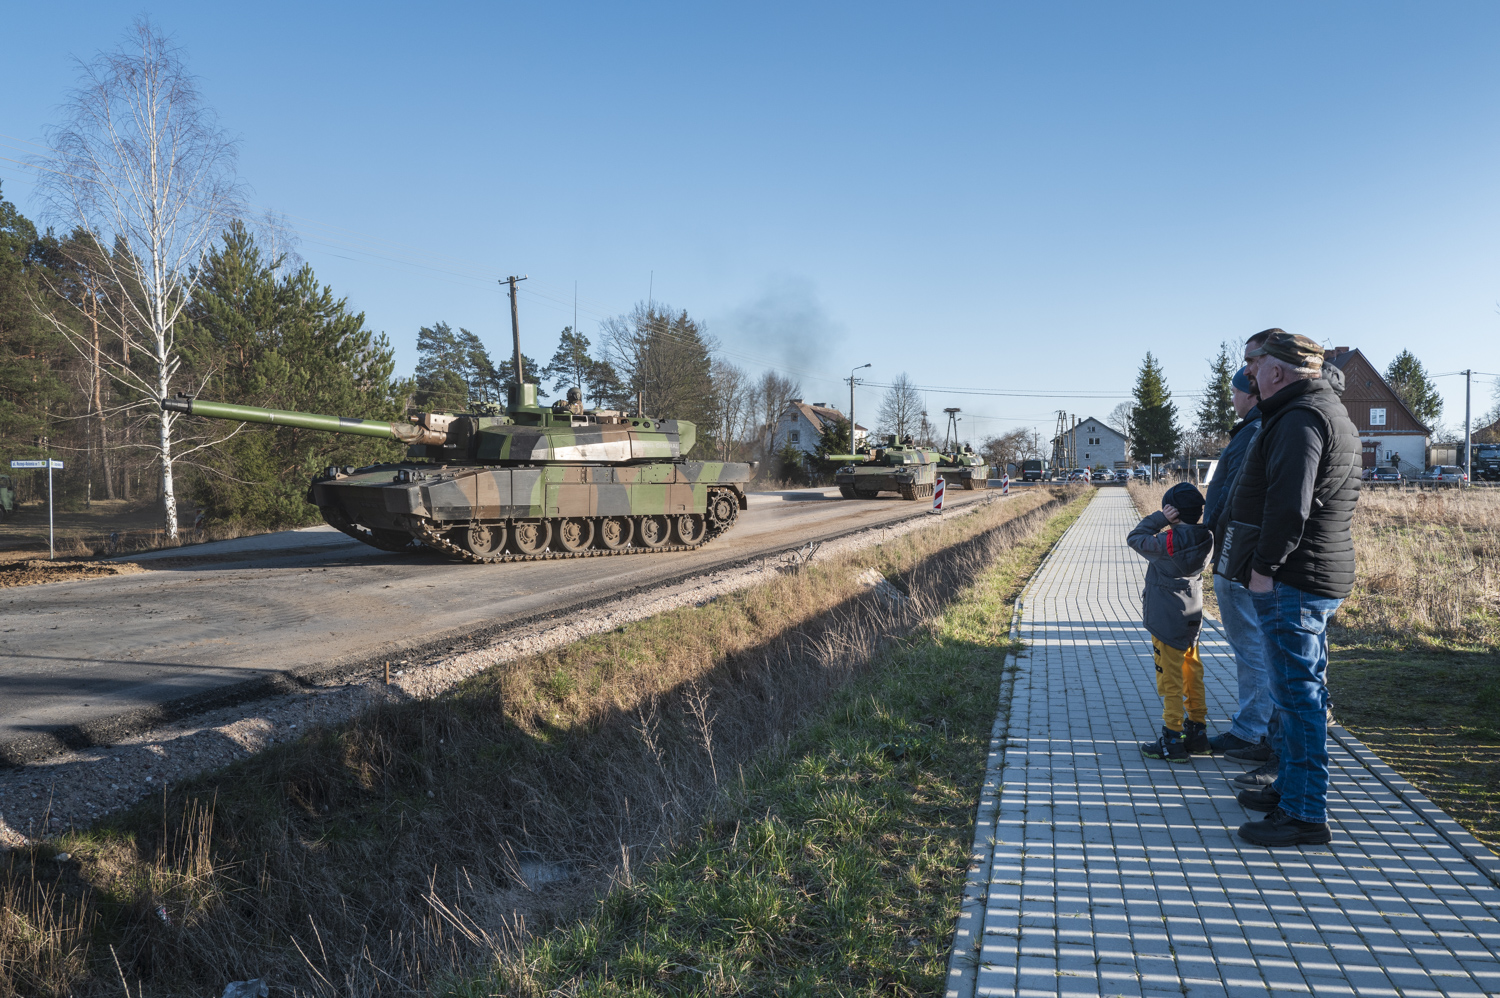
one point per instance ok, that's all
(963, 468)
(893, 467)
(520, 483)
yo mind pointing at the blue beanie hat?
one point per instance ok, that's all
(1241, 380)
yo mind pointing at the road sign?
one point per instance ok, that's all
(51, 465)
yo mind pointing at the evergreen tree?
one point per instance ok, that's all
(1408, 379)
(30, 352)
(1216, 412)
(454, 369)
(284, 342)
(573, 367)
(1154, 417)
(835, 440)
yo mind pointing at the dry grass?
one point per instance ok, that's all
(1427, 565)
(384, 855)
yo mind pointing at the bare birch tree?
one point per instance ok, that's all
(772, 394)
(142, 165)
(733, 405)
(901, 409)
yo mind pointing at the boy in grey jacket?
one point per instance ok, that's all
(1172, 610)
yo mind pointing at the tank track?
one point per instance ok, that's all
(913, 492)
(850, 492)
(429, 537)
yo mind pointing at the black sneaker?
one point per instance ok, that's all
(1264, 799)
(1258, 753)
(1228, 741)
(1280, 829)
(1195, 734)
(1169, 746)
(1262, 777)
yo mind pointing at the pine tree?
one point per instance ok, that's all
(573, 367)
(282, 341)
(1216, 412)
(1154, 418)
(1408, 379)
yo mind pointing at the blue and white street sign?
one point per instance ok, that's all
(51, 465)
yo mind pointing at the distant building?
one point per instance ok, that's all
(1391, 436)
(1094, 444)
(803, 423)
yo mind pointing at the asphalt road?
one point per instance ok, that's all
(86, 661)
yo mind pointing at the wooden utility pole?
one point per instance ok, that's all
(515, 331)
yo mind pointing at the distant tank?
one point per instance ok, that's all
(895, 467)
(520, 483)
(963, 468)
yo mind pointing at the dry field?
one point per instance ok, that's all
(1415, 649)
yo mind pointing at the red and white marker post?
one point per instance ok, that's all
(937, 496)
(1005, 485)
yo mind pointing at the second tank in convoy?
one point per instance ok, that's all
(896, 467)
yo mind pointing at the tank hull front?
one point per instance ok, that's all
(911, 481)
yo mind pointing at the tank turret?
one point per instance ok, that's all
(964, 468)
(524, 481)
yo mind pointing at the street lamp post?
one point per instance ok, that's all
(853, 443)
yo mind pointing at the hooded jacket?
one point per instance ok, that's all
(1216, 504)
(1299, 484)
(1172, 602)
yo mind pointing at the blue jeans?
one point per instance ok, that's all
(1295, 625)
(1242, 630)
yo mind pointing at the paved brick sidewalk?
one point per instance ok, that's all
(1098, 873)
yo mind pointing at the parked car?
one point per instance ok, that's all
(1123, 475)
(1444, 475)
(1387, 475)
(1100, 475)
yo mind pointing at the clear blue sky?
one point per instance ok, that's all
(994, 196)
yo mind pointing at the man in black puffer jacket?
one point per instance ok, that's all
(1298, 486)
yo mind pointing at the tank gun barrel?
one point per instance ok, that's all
(424, 432)
(849, 458)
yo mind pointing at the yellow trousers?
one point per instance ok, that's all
(1179, 680)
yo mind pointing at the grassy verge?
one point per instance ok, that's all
(386, 854)
(832, 867)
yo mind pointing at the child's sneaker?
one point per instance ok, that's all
(1195, 735)
(1169, 746)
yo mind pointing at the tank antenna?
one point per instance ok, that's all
(515, 327)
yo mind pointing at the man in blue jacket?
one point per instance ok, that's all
(1245, 740)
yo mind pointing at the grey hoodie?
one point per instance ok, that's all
(1172, 602)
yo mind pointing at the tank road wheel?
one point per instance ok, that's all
(530, 536)
(614, 533)
(690, 528)
(575, 534)
(482, 539)
(653, 531)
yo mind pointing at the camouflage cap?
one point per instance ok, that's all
(1292, 348)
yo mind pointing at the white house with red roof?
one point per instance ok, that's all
(802, 425)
